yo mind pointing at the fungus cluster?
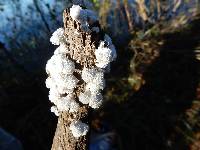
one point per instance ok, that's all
(62, 80)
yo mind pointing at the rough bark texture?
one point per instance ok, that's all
(82, 46)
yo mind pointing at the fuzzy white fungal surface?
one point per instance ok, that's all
(78, 14)
(84, 16)
(94, 79)
(85, 97)
(54, 110)
(96, 100)
(88, 74)
(93, 99)
(58, 37)
(54, 95)
(74, 106)
(108, 41)
(78, 129)
(61, 79)
(61, 69)
(62, 49)
(63, 104)
(66, 103)
(96, 85)
(50, 83)
(105, 54)
(59, 64)
(66, 81)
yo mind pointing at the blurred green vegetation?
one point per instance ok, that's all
(152, 94)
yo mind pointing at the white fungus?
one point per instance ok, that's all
(52, 64)
(78, 128)
(62, 49)
(61, 79)
(96, 100)
(67, 81)
(63, 89)
(88, 74)
(61, 71)
(50, 83)
(104, 55)
(67, 103)
(54, 110)
(78, 14)
(84, 16)
(66, 66)
(108, 41)
(93, 99)
(58, 37)
(59, 64)
(91, 74)
(54, 95)
(74, 106)
(96, 85)
(85, 97)
(64, 103)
